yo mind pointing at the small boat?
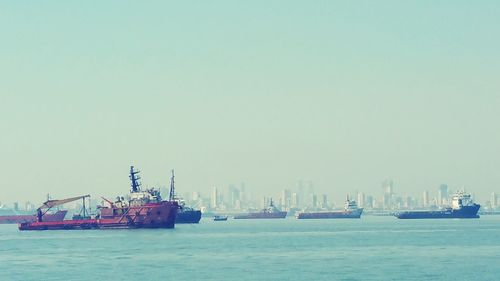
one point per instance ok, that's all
(220, 218)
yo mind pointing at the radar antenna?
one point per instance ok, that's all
(134, 179)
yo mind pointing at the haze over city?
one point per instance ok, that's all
(225, 93)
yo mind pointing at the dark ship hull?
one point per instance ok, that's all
(466, 212)
(274, 215)
(57, 216)
(188, 216)
(355, 214)
(152, 215)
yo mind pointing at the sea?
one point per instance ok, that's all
(370, 248)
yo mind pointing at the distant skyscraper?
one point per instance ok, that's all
(388, 186)
(425, 198)
(324, 201)
(443, 194)
(314, 200)
(295, 200)
(215, 198)
(369, 202)
(264, 203)
(195, 196)
(361, 199)
(286, 198)
(387, 199)
(494, 200)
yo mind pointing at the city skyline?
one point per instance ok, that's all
(302, 195)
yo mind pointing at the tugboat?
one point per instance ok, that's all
(143, 209)
(220, 218)
(462, 207)
(185, 214)
(270, 212)
(351, 211)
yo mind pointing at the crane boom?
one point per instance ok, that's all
(52, 203)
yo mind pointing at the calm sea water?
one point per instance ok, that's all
(372, 248)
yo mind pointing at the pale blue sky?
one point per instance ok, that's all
(343, 93)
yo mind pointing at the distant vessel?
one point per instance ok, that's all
(462, 206)
(13, 216)
(143, 209)
(270, 212)
(351, 211)
(185, 214)
(220, 218)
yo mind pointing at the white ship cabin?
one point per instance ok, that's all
(140, 198)
(461, 199)
(350, 204)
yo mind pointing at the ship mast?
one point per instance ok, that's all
(134, 178)
(172, 188)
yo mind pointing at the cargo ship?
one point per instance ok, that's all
(185, 214)
(142, 209)
(12, 216)
(462, 207)
(270, 212)
(351, 211)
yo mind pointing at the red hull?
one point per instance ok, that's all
(153, 215)
(58, 216)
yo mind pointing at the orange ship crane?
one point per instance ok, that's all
(52, 203)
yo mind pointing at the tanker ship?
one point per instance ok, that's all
(185, 214)
(462, 207)
(143, 208)
(351, 211)
(270, 212)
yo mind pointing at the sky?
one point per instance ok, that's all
(341, 93)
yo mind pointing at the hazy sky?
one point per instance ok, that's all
(342, 93)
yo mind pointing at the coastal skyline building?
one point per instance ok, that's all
(295, 200)
(215, 198)
(361, 199)
(387, 199)
(443, 194)
(425, 198)
(494, 200)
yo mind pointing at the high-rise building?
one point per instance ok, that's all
(387, 199)
(494, 200)
(314, 200)
(324, 201)
(361, 199)
(195, 196)
(388, 186)
(286, 197)
(295, 200)
(443, 194)
(264, 203)
(369, 202)
(425, 198)
(215, 198)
